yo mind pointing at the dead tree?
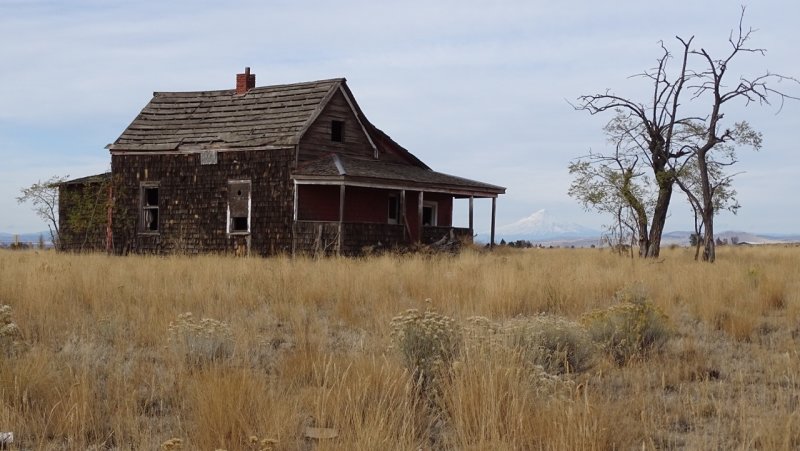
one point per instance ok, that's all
(713, 138)
(667, 138)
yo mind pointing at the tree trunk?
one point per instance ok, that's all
(709, 250)
(709, 254)
(659, 215)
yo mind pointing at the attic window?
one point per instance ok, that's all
(149, 208)
(337, 131)
(239, 206)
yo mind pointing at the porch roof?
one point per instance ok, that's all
(339, 169)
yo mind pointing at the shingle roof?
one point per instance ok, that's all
(345, 168)
(264, 116)
(97, 178)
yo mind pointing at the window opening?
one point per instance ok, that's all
(394, 209)
(429, 213)
(149, 203)
(239, 206)
(337, 131)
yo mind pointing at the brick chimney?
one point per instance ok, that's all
(245, 81)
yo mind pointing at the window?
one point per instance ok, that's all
(239, 206)
(149, 204)
(394, 209)
(430, 212)
(337, 131)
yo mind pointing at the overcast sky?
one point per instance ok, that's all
(473, 88)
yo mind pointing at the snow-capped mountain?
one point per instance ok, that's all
(540, 226)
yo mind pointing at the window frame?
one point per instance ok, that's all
(146, 208)
(229, 220)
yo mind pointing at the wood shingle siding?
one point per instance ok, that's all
(194, 202)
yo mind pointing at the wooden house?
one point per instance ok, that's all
(293, 168)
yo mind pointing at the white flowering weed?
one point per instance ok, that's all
(428, 341)
(9, 332)
(201, 342)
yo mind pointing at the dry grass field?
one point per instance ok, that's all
(516, 349)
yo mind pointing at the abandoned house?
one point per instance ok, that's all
(293, 168)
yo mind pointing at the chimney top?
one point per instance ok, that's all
(245, 81)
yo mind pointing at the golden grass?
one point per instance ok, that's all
(311, 349)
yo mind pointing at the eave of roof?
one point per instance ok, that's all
(97, 178)
(337, 169)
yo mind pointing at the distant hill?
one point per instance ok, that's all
(32, 237)
(542, 228)
(682, 237)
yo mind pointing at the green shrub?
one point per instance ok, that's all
(556, 344)
(428, 342)
(629, 330)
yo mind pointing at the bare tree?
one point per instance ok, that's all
(659, 130)
(649, 129)
(716, 144)
(44, 197)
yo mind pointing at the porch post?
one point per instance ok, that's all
(294, 204)
(471, 222)
(294, 219)
(494, 209)
(419, 217)
(341, 219)
(402, 216)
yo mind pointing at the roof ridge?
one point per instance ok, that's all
(279, 86)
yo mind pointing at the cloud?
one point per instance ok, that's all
(478, 89)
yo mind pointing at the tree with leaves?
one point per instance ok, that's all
(44, 198)
(663, 133)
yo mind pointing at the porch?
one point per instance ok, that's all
(343, 203)
(352, 238)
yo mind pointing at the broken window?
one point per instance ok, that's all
(337, 131)
(149, 203)
(239, 206)
(394, 209)
(429, 213)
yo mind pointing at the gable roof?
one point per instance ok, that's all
(357, 171)
(88, 180)
(263, 117)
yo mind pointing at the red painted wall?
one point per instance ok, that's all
(321, 203)
(318, 203)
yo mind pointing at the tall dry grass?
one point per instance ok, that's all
(311, 350)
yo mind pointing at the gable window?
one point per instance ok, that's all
(337, 131)
(148, 199)
(394, 209)
(239, 206)
(430, 213)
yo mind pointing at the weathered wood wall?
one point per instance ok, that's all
(317, 140)
(82, 214)
(321, 237)
(193, 202)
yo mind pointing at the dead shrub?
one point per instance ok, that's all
(556, 344)
(629, 330)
